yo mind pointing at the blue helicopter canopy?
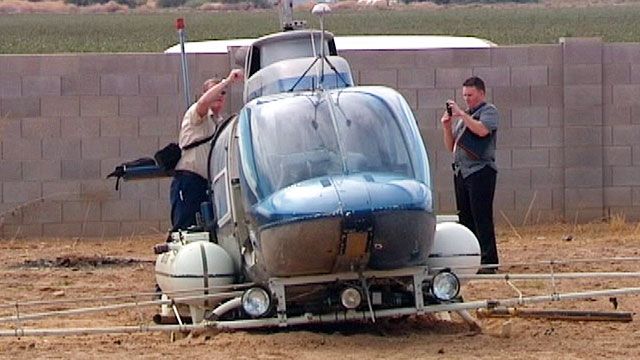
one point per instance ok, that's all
(286, 139)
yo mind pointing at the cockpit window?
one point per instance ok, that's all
(310, 136)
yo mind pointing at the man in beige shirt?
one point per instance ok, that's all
(189, 185)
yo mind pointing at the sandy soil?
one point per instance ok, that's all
(58, 269)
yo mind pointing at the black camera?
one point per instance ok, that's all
(449, 111)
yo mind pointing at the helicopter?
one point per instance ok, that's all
(322, 198)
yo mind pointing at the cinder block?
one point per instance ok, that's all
(547, 137)
(138, 106)
(503, 159)
(59, 64)
(530, 158)
(586, 115)
(117, 84)
(556, 116)
(143, 146)
(472, 57)
(80, 211)
(62, 230)
(43, 212)
(452, 77)
(411, 96)
(10, 86)
(20, 107)
(556, 75)
(101, 229)
(535, 199)
(120, 210)
(63, 190)
(20, 65)
(416, 78)
(446, 202)
(434, 98)
(514, 179)
(21, 149)
(133, 228)
(583, 198)
(40, 85)
(21, 192)
(623, 95)
(616, 73)
(530, 75)
(582, 50)
(544, 54)
(535, 116)
(80, 169)
(494, 76)
(556, 157)
(22, 231)
(547, 178)
(77, 127)
(635, 114)
(165, 84)
(158, 126)
(391, 59)
(617, 115)
(626, 134)
(163, 187)
(61, 148)
(11, 212)
(98, 106)
(171, 106)
(509, 55)
(100, 148)
(504, 201)
(124, 127)
(430, 58)
(583, 95)
(636, 196)
(617, 156)
(558, 199)
(583, 156)
(505, 97)
(583, 177)
(212, 64)
(635, 73)
(60, 106)
(617, 196)
(40, 127)
(583, 136)
(39, 170)
(620, 53)
(514, 138)
(80, 84)
(636, 154)
(98, 190)
(141, 190)
(583, 74)
(379, 77)
(10, 170)
(623, 176)
(156, 209)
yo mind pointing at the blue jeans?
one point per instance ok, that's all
(188, 191)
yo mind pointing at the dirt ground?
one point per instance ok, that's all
(59, 269)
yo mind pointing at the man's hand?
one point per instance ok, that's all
(455, 109)
(235, 75)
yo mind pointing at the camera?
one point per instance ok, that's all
(449, 111)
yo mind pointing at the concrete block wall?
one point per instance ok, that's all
(67, 120)
(567, 142)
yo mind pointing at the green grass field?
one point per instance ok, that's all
(57, 33)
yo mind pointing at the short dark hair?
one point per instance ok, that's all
(476, 82)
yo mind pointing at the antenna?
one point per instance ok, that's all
(320, 10)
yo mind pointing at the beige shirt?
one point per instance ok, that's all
(194, 128)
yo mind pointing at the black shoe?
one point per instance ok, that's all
(485, 271)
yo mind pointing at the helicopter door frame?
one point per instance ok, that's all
(222, 143)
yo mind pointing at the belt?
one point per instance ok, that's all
(187, 173)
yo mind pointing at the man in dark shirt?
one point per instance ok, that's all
(472, 139)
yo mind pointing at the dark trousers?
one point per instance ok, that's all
(474, 199)
(188, 191)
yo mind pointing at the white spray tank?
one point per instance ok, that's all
(454, 247)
